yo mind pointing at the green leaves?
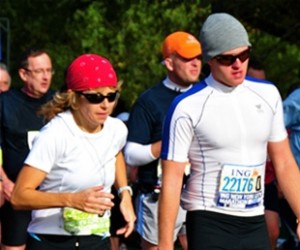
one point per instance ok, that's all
(130, 34)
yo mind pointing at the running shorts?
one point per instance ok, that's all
(54, 242)
(210, 230)
(271, 199)
(147, 218)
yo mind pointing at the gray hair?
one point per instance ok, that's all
(3, 67)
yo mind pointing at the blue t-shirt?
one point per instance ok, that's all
(291, 106)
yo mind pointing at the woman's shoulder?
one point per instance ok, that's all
(115, 122)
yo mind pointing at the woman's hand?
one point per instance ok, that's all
(92, 200)
(127, 210)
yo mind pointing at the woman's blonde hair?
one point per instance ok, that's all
(60, 102)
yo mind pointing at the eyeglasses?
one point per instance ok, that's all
(40, 71)
(96, 98)
(228, 60)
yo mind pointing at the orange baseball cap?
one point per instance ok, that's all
(181, 43)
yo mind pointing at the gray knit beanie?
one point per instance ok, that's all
(222, 32)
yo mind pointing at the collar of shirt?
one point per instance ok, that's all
(171, 85)
(221, 87)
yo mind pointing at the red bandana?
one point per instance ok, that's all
(90, 71)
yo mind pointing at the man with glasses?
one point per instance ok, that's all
(224, 127)
(19, 124)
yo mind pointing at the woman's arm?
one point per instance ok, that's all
(26, 196)
(126, 206)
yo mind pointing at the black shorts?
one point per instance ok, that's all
(287, 215)
(54, 242)
(271, 199)
(209, 230)
(14, 225)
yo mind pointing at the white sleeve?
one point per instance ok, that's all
(137, 154)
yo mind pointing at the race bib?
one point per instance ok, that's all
(240, 186)
(83, 223)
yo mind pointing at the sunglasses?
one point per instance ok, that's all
(228, 60)
(96, 98)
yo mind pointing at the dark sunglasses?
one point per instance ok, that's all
(96, 98)
(228, 60)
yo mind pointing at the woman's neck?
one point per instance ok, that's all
(84, 125)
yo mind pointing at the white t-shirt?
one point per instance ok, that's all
(73, 160)
(223, 132)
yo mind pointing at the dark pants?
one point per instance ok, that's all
(14, 225)
(215, 231)
(271, 199)
(55, 242)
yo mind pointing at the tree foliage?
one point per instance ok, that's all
(130, 34)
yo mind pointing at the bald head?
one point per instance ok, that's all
(5, 79)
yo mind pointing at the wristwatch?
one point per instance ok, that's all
(121, 189)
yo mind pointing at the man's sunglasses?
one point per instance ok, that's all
(96, 98)
(228, 60)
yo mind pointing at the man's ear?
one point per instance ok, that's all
(22, 74)
(169, 63)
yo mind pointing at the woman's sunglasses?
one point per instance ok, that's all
(96, 98)
(228, 60)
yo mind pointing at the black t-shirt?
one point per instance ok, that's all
(145, 124)
(18, 117)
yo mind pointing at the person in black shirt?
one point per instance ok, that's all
(19, 124)
(181, 55)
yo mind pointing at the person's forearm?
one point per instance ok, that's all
(167, 212)
(126, 206)
(287, 173)
(34, 199)
(25, 194)
(169, 204)
(121, 174)
(138, 154)
(289, 182)
(121, 177)
(91, 200)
